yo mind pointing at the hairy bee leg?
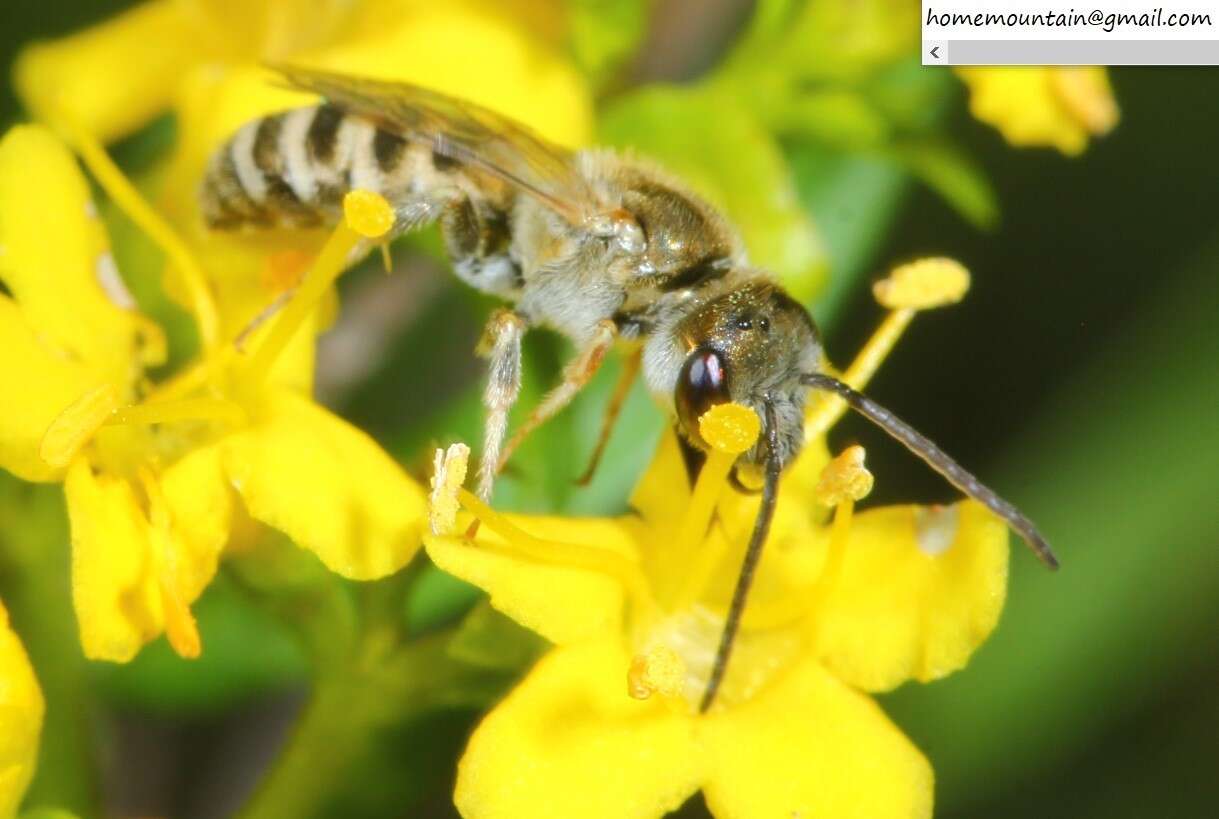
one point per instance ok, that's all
(576, 375)
(501, 344)
(626, 380)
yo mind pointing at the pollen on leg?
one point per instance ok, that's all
(923, 284)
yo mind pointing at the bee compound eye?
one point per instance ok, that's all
(702, 384)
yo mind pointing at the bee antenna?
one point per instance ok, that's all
(753, 553)
(938, 460)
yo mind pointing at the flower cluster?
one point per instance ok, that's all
(168, 456)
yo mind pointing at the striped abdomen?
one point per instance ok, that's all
(292, 169)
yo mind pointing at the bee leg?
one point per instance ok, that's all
(501, 344)
(578, 372)
(626, 380)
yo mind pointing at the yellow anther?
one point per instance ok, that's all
(448, 475)
(368, 214)
(730, 428)
(76, 425)
(923, 284)
(1086, 94)
(658, 670)
(845, 478)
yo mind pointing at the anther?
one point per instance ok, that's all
(368, 213)
(923, 284)
(729, 428)
(448, 475)
(658, 670)
(845, 478)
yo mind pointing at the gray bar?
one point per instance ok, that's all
(1075, 52)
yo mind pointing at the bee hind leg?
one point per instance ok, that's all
(578, 372)
(501, 344)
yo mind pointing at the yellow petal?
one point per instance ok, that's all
(21, 711)
(49, 382)
(1042, 106)
(200, 504)
(569, 742)
(328, 486)
(55, 258)
(562, 603)
(114, 584)
(917, 590)
(808, 747)
(114, 77)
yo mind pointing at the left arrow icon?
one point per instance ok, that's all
(935, 52)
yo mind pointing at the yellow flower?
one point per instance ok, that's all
(21, 709)
(1032, 106)
(150, 470)
(607, 724)
(115, 77)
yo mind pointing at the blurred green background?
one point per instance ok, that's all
(1080, 376)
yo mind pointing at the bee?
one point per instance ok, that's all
(603, 247)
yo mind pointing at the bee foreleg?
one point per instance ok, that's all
(501, 344)
(578, 372)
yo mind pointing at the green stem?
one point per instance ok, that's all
(384, 685)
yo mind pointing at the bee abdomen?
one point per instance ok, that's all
(292, 169)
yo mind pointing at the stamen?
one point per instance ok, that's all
(76, 425)
(658, 670)
(920, 285)
(447, 477)
(827, 411)
(572, 555)
(366, 215)
(923, 285)
(730, 429)
(129, 200)
(186, 409)
(180, 626)
(844, 479)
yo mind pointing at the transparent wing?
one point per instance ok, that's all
(459, 130)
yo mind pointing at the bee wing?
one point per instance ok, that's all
(459, 130)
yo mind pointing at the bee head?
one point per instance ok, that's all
(749, 346)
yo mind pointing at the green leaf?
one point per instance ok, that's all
(954, 176)
(839, 118)
(604, 34)
(854, 200)
(715, 145)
